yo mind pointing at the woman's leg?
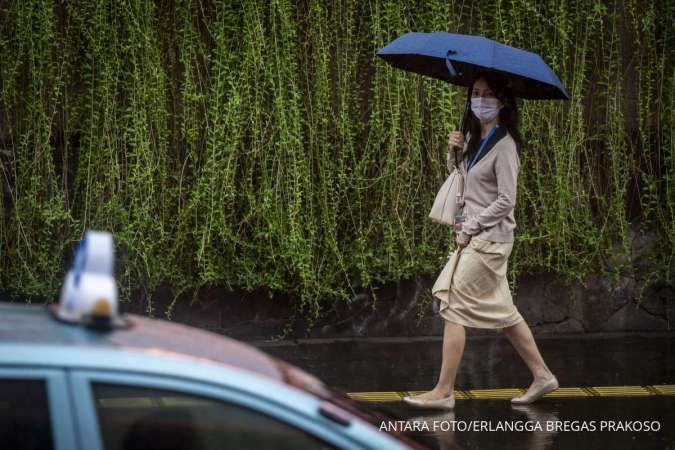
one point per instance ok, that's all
(454, 338)
(521, 337)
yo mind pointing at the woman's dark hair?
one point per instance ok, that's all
(508, 115)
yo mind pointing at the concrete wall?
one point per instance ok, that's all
(405, 308)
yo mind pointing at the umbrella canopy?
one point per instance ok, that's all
(457, 58)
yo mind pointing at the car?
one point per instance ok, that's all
(103, 380)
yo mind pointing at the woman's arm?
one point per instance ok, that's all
(507, 165)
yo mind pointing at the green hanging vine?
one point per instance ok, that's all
(261, 144)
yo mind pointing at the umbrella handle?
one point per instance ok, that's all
(449, 65)
(453, 72)
(456, 148)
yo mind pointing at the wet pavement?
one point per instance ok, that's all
(626, 419)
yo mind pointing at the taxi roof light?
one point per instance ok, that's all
(89, 292)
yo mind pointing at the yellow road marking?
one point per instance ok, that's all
(569, 392)
(664, 389)
(621, 391)
(481, 394)
(587, 391)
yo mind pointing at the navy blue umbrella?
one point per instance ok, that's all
(457, 58)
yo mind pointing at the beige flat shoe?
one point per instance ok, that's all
(443, 403)
(549, 385)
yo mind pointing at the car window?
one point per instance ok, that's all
(24, 415)
(133, 418)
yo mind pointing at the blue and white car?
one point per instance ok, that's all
(105, 381)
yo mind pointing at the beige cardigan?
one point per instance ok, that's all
(490, 191)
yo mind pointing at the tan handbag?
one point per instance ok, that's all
(450, 198)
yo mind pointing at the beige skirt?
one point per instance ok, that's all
(473, 288)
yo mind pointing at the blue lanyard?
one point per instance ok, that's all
(482, 146)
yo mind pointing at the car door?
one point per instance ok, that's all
(35, 410)
(125, 411)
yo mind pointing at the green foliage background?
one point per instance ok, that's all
(261, 143)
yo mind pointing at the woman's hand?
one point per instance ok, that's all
(456, 138)
(462, 239)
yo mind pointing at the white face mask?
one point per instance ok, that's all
(484, 108)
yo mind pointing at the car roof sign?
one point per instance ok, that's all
(89, 292)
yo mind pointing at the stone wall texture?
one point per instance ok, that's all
(405, 309)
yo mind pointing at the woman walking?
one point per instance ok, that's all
(478, 294)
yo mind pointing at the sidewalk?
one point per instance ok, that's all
(489, 362)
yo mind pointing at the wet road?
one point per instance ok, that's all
(643, 420)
